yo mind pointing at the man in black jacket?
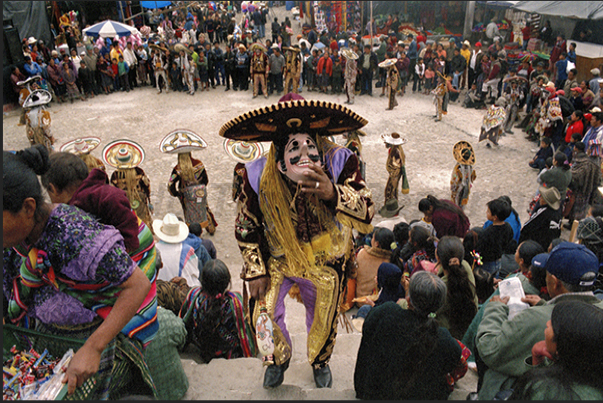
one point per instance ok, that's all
(545, 223)
(367, 62)
(457, 67)
(229, 67)
(211, 63)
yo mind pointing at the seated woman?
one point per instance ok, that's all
(423, 251)
(446, 217)
(72, 277)
(214, 317)
(369, 258)
(461, 299)
(573, 344)
(404, 354)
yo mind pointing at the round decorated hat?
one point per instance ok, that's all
(394, 139)
(243, 151)
(387, 63)
(259, 46)
(463, 153)
(275, 122)
(181, 141)
(349, 54)
(81, 145)
(123, 154)
(37, 98)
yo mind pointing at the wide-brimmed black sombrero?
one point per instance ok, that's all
(273, 122)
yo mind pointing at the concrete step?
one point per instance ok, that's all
(242, 378)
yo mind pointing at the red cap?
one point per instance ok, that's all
(588, 116)
(478, 44)
(560, 92)
(577, 89)
(550, 89)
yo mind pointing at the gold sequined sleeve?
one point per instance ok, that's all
(249, 232)
(355, 207)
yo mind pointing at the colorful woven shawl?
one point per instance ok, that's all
(36, 271)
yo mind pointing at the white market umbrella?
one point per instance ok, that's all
(109, 29)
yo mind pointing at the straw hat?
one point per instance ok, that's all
(551, 196)
(31, 40)
(394, 139)
(37, 98)
(170, 229)
(180, 47)
(595, 71)
(388, 63)
(81, 145)
(243, 151)
(276, 121)
(181, 141)
(241, 46)
(463, 153)
(349, 54)
(466, 43)
(550, 84)
(122, 154)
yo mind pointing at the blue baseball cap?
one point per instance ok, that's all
(569, 262)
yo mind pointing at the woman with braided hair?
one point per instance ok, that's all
(214, 317)
(461, 298)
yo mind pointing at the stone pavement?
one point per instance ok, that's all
(146, 117)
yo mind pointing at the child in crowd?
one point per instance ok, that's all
(494, 239)
(337, 79)
(123, 69)
(115, 69)
(419, 77)
(214, 317)
(429, 79)
(423, 247)
(176, 77)
(203, 74)
(545, 151)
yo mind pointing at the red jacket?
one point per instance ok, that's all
(109, 205)
(328, 66)
(575, 127)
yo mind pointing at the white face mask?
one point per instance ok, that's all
(300, 152)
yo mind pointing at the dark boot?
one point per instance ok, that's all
(274, 375)
(322, 377)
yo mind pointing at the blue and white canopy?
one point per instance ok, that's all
(109, 29)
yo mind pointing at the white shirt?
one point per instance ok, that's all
(420, 69)
(473, 59)
(179, 260)
(130, 57)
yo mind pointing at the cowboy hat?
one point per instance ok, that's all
(170, 229)
(349, 54)
(37, 98)
(551, 196)
(463, 153)
(81, 145)
(31, 40)
(394, 139)
(241, 46)
(277, 121)
(292, 48)
(390, 208)
(550, 84)
(388, 63)
(181, 141)
(466, 43)
(243, 151)
(123, 154)
(595, 71)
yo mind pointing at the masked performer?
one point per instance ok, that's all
(37, 119)
(395, 166)
(188, 181)
(462, 174)
(350, 73)
(492, 125)
(259, 69)
(296, 213)
(439, 93)
(126, 156)
(391, 82)
(292, 68)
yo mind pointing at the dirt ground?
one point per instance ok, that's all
(146, 117)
